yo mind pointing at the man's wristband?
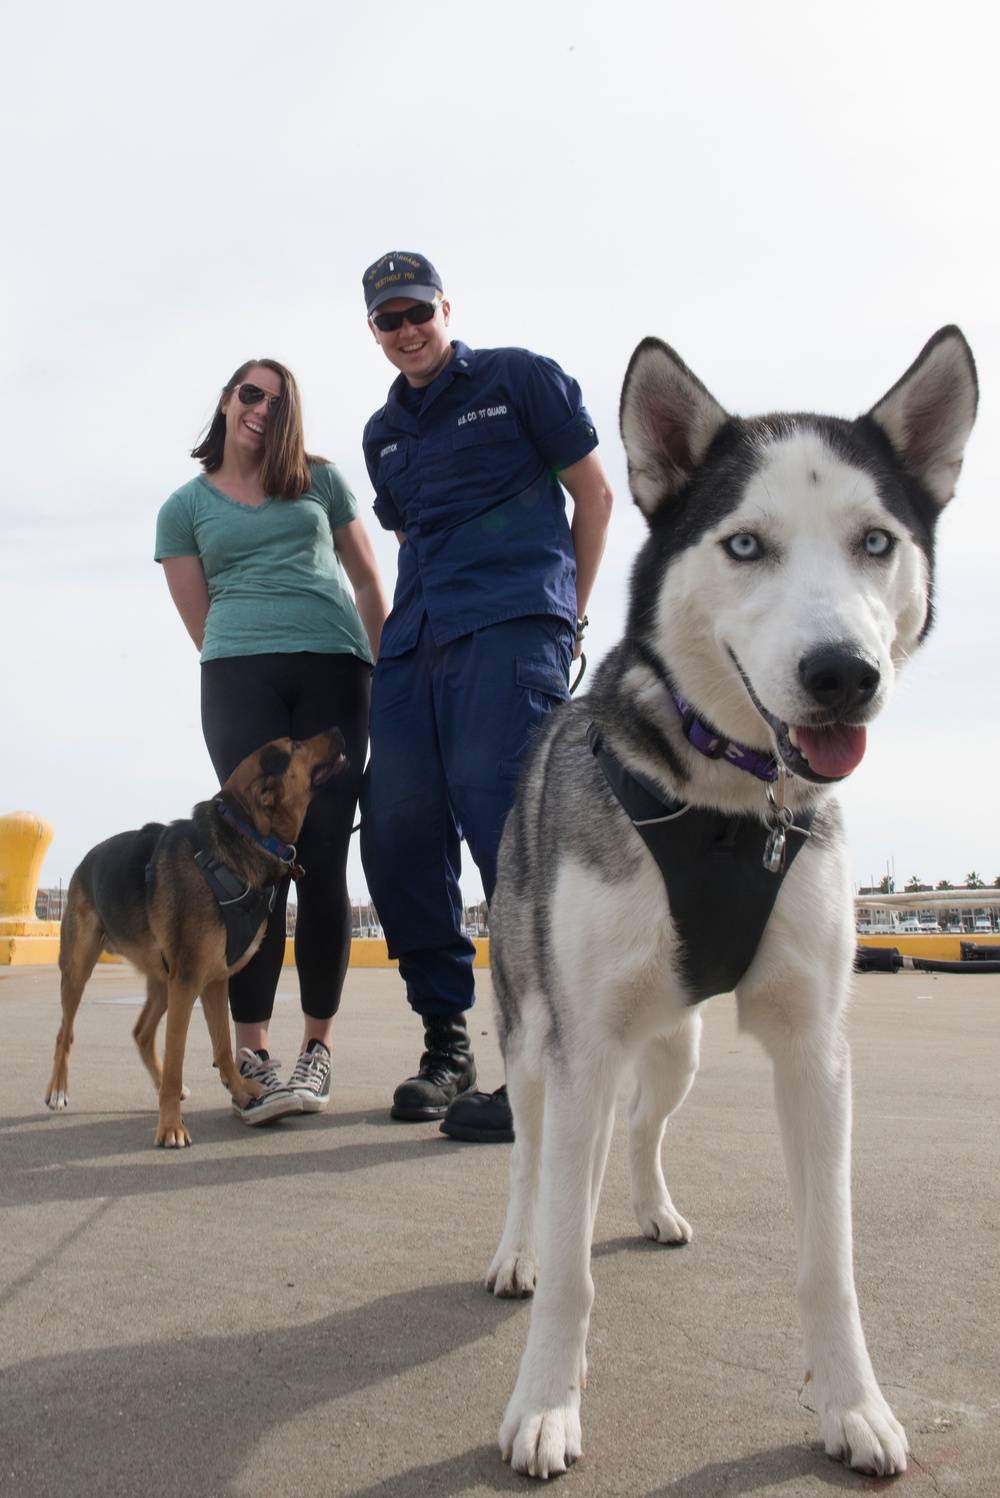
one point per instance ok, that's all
(581, 625)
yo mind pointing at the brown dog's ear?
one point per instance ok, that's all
(256, 785)
(264, 797)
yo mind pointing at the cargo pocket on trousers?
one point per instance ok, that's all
(538, 688)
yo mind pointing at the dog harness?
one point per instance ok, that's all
(722, 873)
(242, 907)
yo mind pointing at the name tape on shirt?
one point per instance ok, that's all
(483, 414)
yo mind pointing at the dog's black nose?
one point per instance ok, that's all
(839, 678)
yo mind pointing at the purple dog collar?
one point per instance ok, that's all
(714, 746)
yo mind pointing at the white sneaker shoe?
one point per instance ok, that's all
(310, 1079)
(276, 1101)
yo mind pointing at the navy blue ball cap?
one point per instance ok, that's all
(401, 274)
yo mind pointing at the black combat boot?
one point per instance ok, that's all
(447, 1068)
(480, 1118)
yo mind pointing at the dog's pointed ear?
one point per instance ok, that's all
(928, 414)
(667, 420)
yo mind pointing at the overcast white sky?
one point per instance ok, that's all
(794, 196)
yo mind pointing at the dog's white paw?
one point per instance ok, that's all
(866, 1436)
(660, 1221)
(57, 1101)
(542, 1443)
(512, 1275)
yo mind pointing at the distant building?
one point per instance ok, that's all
(50, 904)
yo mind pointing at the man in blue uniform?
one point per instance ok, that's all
(469, 458)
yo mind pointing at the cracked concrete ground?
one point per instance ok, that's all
(298, 1310)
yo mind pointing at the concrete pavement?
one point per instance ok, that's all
(298, 1310)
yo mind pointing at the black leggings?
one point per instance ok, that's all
(247, 700)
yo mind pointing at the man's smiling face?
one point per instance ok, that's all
(418, 350)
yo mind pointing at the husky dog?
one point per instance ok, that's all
(675, 833)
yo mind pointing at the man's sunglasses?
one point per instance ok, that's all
(388, 322)
(252, 395)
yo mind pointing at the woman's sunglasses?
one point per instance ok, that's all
(388, 322)
(252, 395)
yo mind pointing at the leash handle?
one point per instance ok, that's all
(582, 662)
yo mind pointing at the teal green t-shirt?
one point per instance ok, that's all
(275, 582)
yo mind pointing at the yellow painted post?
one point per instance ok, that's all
(24, 842)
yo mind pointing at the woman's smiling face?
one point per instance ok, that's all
(246, 426)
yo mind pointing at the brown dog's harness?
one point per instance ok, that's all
(720, 881)
(241, 907)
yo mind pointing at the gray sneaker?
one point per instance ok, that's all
(310, 1079)
(276, 1101)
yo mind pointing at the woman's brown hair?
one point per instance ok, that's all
(285, 472)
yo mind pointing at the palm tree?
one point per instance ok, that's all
(944, 884)
(973, 881)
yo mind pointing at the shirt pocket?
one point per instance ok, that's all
(485, 431)
(482, 463)
(393, 477)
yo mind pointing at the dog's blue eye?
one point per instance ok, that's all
(743, 547)
(878, 543)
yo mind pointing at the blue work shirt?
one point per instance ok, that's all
(468, 475)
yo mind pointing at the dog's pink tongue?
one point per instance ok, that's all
(833, 751)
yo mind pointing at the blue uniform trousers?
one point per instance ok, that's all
(450, 727)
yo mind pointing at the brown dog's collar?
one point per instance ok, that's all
(285, 851)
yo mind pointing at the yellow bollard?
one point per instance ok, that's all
(24, 842)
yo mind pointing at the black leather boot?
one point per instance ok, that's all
(480, 1118)
(447, 1068)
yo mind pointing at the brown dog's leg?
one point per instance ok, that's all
(146, 1027)
(170, 1130)
(81, 943)
(215, 1002)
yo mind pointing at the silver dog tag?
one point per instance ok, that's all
(778, 818)
(774, 851)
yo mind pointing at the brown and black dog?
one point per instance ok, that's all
(149, 895)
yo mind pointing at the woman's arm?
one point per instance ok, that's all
(189, 590)
(354, 548)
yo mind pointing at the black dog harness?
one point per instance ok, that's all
(241, 907)
(721, 875)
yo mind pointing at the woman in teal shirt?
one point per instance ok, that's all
(258, 551)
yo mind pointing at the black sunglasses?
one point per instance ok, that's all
(388, 322)
(252, 395)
